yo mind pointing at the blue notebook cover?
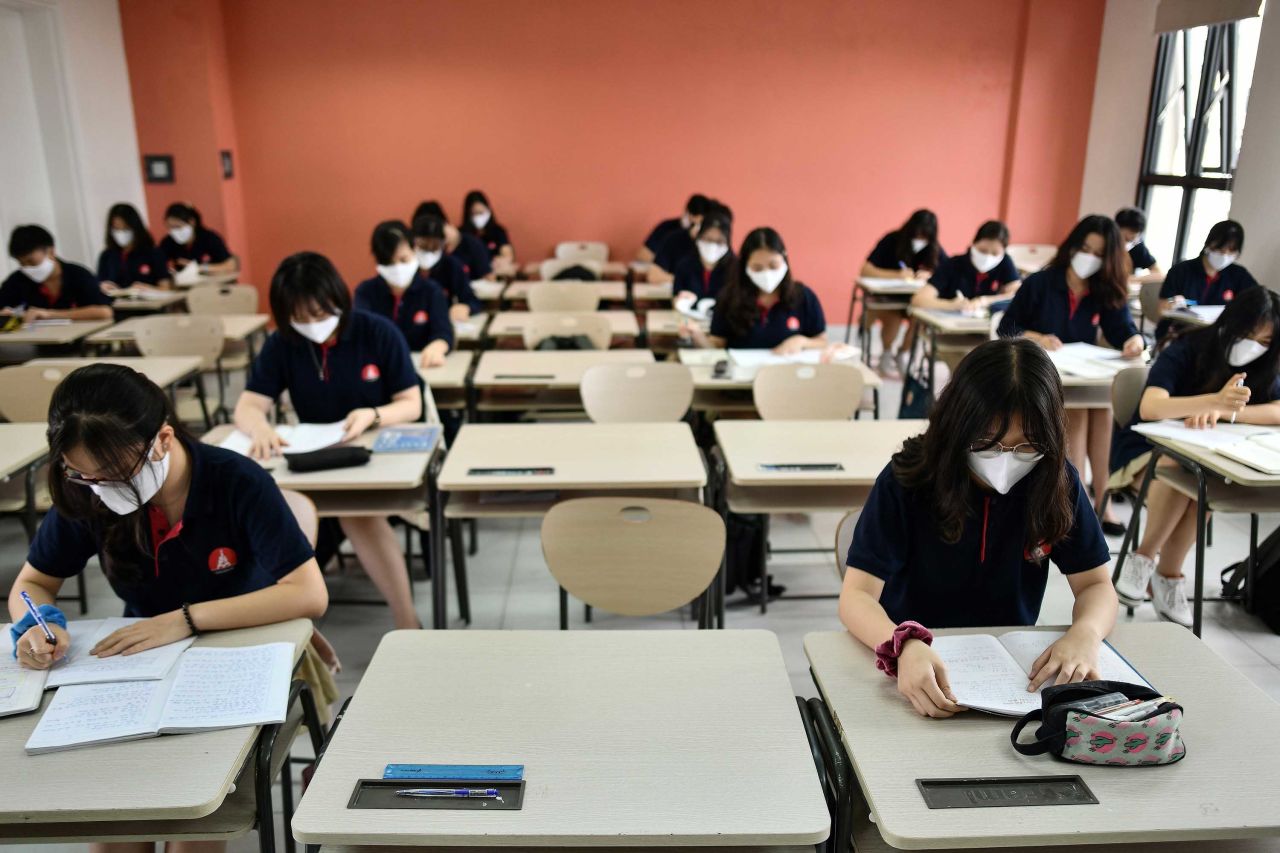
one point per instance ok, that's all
(418, 438)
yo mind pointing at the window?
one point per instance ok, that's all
(1194, 124)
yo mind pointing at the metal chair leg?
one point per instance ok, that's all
(564, 609)
(839, 774)
(460, 570)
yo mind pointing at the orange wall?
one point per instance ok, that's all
(828, 119)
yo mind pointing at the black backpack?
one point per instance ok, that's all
(1265, 595)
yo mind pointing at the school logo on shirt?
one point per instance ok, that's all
(1228, 295)
(1038, 553)
(204, 259)
(145, 269)
(222, 560)
(1096, 318)
(793, 323)
(420, 318)
(370, 373)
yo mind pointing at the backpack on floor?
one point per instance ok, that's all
(1266, 592)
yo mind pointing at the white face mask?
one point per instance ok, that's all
(711, 252)
(317, 332)
(1004, 470)
(182, 234)
(917, 245)
(769, 279)
(40, 271)
(120, 498)
(1131, 243)
(1221, 260)
(982, 262)
(1085, 264)
(1245, 351)
(122, 236)
(401, 274)
(428, 260)
(480, 220)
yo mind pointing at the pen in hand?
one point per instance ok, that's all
(1239, 384)
(43, 625)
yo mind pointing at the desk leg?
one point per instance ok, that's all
(840, 776)
(848, 325)
(1197, 605)
(933, 364)
(439, 575)
(875, 403)
(715, 496)
(1131, 532)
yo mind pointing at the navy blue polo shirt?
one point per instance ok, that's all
(79, 289)
(1141, 256)
(885, 255)
(236, 535)
(207, 247)
(148, 266)
(368, 365)
(662, 231)
(473, 256)
(802, 317)
(420, 311)
(957, 276)
(987, 577)
(1189, 280)
(692, 276)
(454, 283)
(1044, 304)
(493, 236)
(675, 248)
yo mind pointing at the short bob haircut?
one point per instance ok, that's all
(993, 229)
(26, 239)
(387, 237)
(307, 281)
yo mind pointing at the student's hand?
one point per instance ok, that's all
(1074, 657)
(33, 314)
(791, 346)
(1049, 342)
(266, 442)
(907, 274)
(693, 331)
(1133, 347)
(1233, 397)
(432, 357)
(923, 274)
(459, 313)
(140, 636)
(357, 423)
(1207, 419)
(922, 678)
(34, 651)
(837, 352)
(110, 288)
(684, 300)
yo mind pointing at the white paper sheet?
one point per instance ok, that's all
(301, 438)
(85, 714)
(1207, 313)
(224, 688)
(80, 667)
(1026, 646)
(1222, 435)
(190, 274)
(1254, 454)
(984, 676)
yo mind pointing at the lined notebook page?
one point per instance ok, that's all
(20, 688)
(1026, 646)
(85, 714)
(80, 667)
(984, 676)
(223, 688)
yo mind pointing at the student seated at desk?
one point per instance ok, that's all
(1213, 278)
(911, 252)
(1083, 289)
(960, 526)
(977, 279)
(1132, 222)
(45, 287)
(445, 270)
(466, 249)
(703, 276)
(403, 294)
(761, 306)
(1202, 376)
(478, 220)
(681, 244)
(188, 240)
(337, 365)
(130, 256)
(694, 209)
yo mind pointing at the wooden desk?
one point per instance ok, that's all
(207, 278)
(609, 291)
(631, 738)
(489, 292)
(55, 334)
(173, 777)
(510, 325)
(878, 294)
(468, 333)
(966, 333)
(129, 303)
(164, 370)
(519, 380)
(448, 383)
(662, 329)
(1216, 792)
(651, 292)
(732, 393)
(236, 328)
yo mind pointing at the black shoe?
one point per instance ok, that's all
(752, 590)
(1113, 528)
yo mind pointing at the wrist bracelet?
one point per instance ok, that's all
(887, 653)
(186, 614)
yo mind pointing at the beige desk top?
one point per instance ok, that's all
(164, 370)
(1217, 791)
(951, 322)
(470, 330)
(152, 303)
(1229, 469)
(236, 327)
(551, 369)
(20, 445)
(631, 738)
(666, 322)
(52, 335)
(701, 363)
(649, 291)
(610, 291)
(584, 456)
(511, 324)
(889, 287)
(862, 447)
(168, 777)
(451, 375)
(608, 269)
(488, 291)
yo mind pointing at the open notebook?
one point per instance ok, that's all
(991, 673)
(300, 438)
(209, 689)
(1260, 452)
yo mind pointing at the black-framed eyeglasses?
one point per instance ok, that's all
(73, 476)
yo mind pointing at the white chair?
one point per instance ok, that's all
(583, 251)
(844, 539)
(1030, 257)
(637, 393)
(552, 267)
(563, 296)
(807, 392)
(185, 334)
(592, 326)
(223, 300)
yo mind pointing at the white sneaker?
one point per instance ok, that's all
(1169, 595)
(889, 366)
(1131, 587)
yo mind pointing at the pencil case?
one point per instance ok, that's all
(327, 459)
(1069, 733)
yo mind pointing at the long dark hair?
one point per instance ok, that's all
(112, 413)
(1243, 315)
(304, 280)
(142, 239)
(723, 224)
(738, 295)
(923, 224)
(185, 212)
(1109, 286)
(994, 382)
(474, 196)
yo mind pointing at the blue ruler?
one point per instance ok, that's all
(461, 772)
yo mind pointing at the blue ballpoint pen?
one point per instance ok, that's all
(35, 614)
(486, 793)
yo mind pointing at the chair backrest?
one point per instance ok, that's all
(1149, 299)
(807, 392)
(584, 251)
(25, 391)
(182, 334)
(563, 296)
(593, 326)
(993, 331)
(1126, 393)
(844, 538)
(637, 393)
(222, 299)
(552, 267)
(635, 556)
(304, 510)
(1030, 256)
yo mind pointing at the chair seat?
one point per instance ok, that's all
(1223, 497)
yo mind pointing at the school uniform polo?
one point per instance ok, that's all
(660, 232)
(1046, 305)
(473, 256)
(773, 326)
(454, 283)
(124, 268)
(236, 535)
(365, 367)
(957, 276)
(675, 248)
(207, 247)
(989, 576)
(692, 276)
(492, 236)
(79, 289)
(885, 255)
(1141, 257)
(1189, 280)
(420, 311)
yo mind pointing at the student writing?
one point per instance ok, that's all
(703, 276)
(445, 270)
(975, 280)
(45, 287)
(1212, 278)
(130, 257)
(479, 221)
(910, 252)
(190, 241)
(466, 249)
(1132, 222)
(403, 294)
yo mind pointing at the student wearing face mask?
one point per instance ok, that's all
(444, 270)
(1201, 376)
(960, 527)
(681, 244)
(694, 209)
(1082, 291)
(466, 249)
(1213, 278)
(45, 287)
(130, 257)
(192, 537)
(189, 241)
(977, 279)
(403, 294)
(478, 220)
(1132, 222)
(911, 252)
(337, 365)
(702, 277)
